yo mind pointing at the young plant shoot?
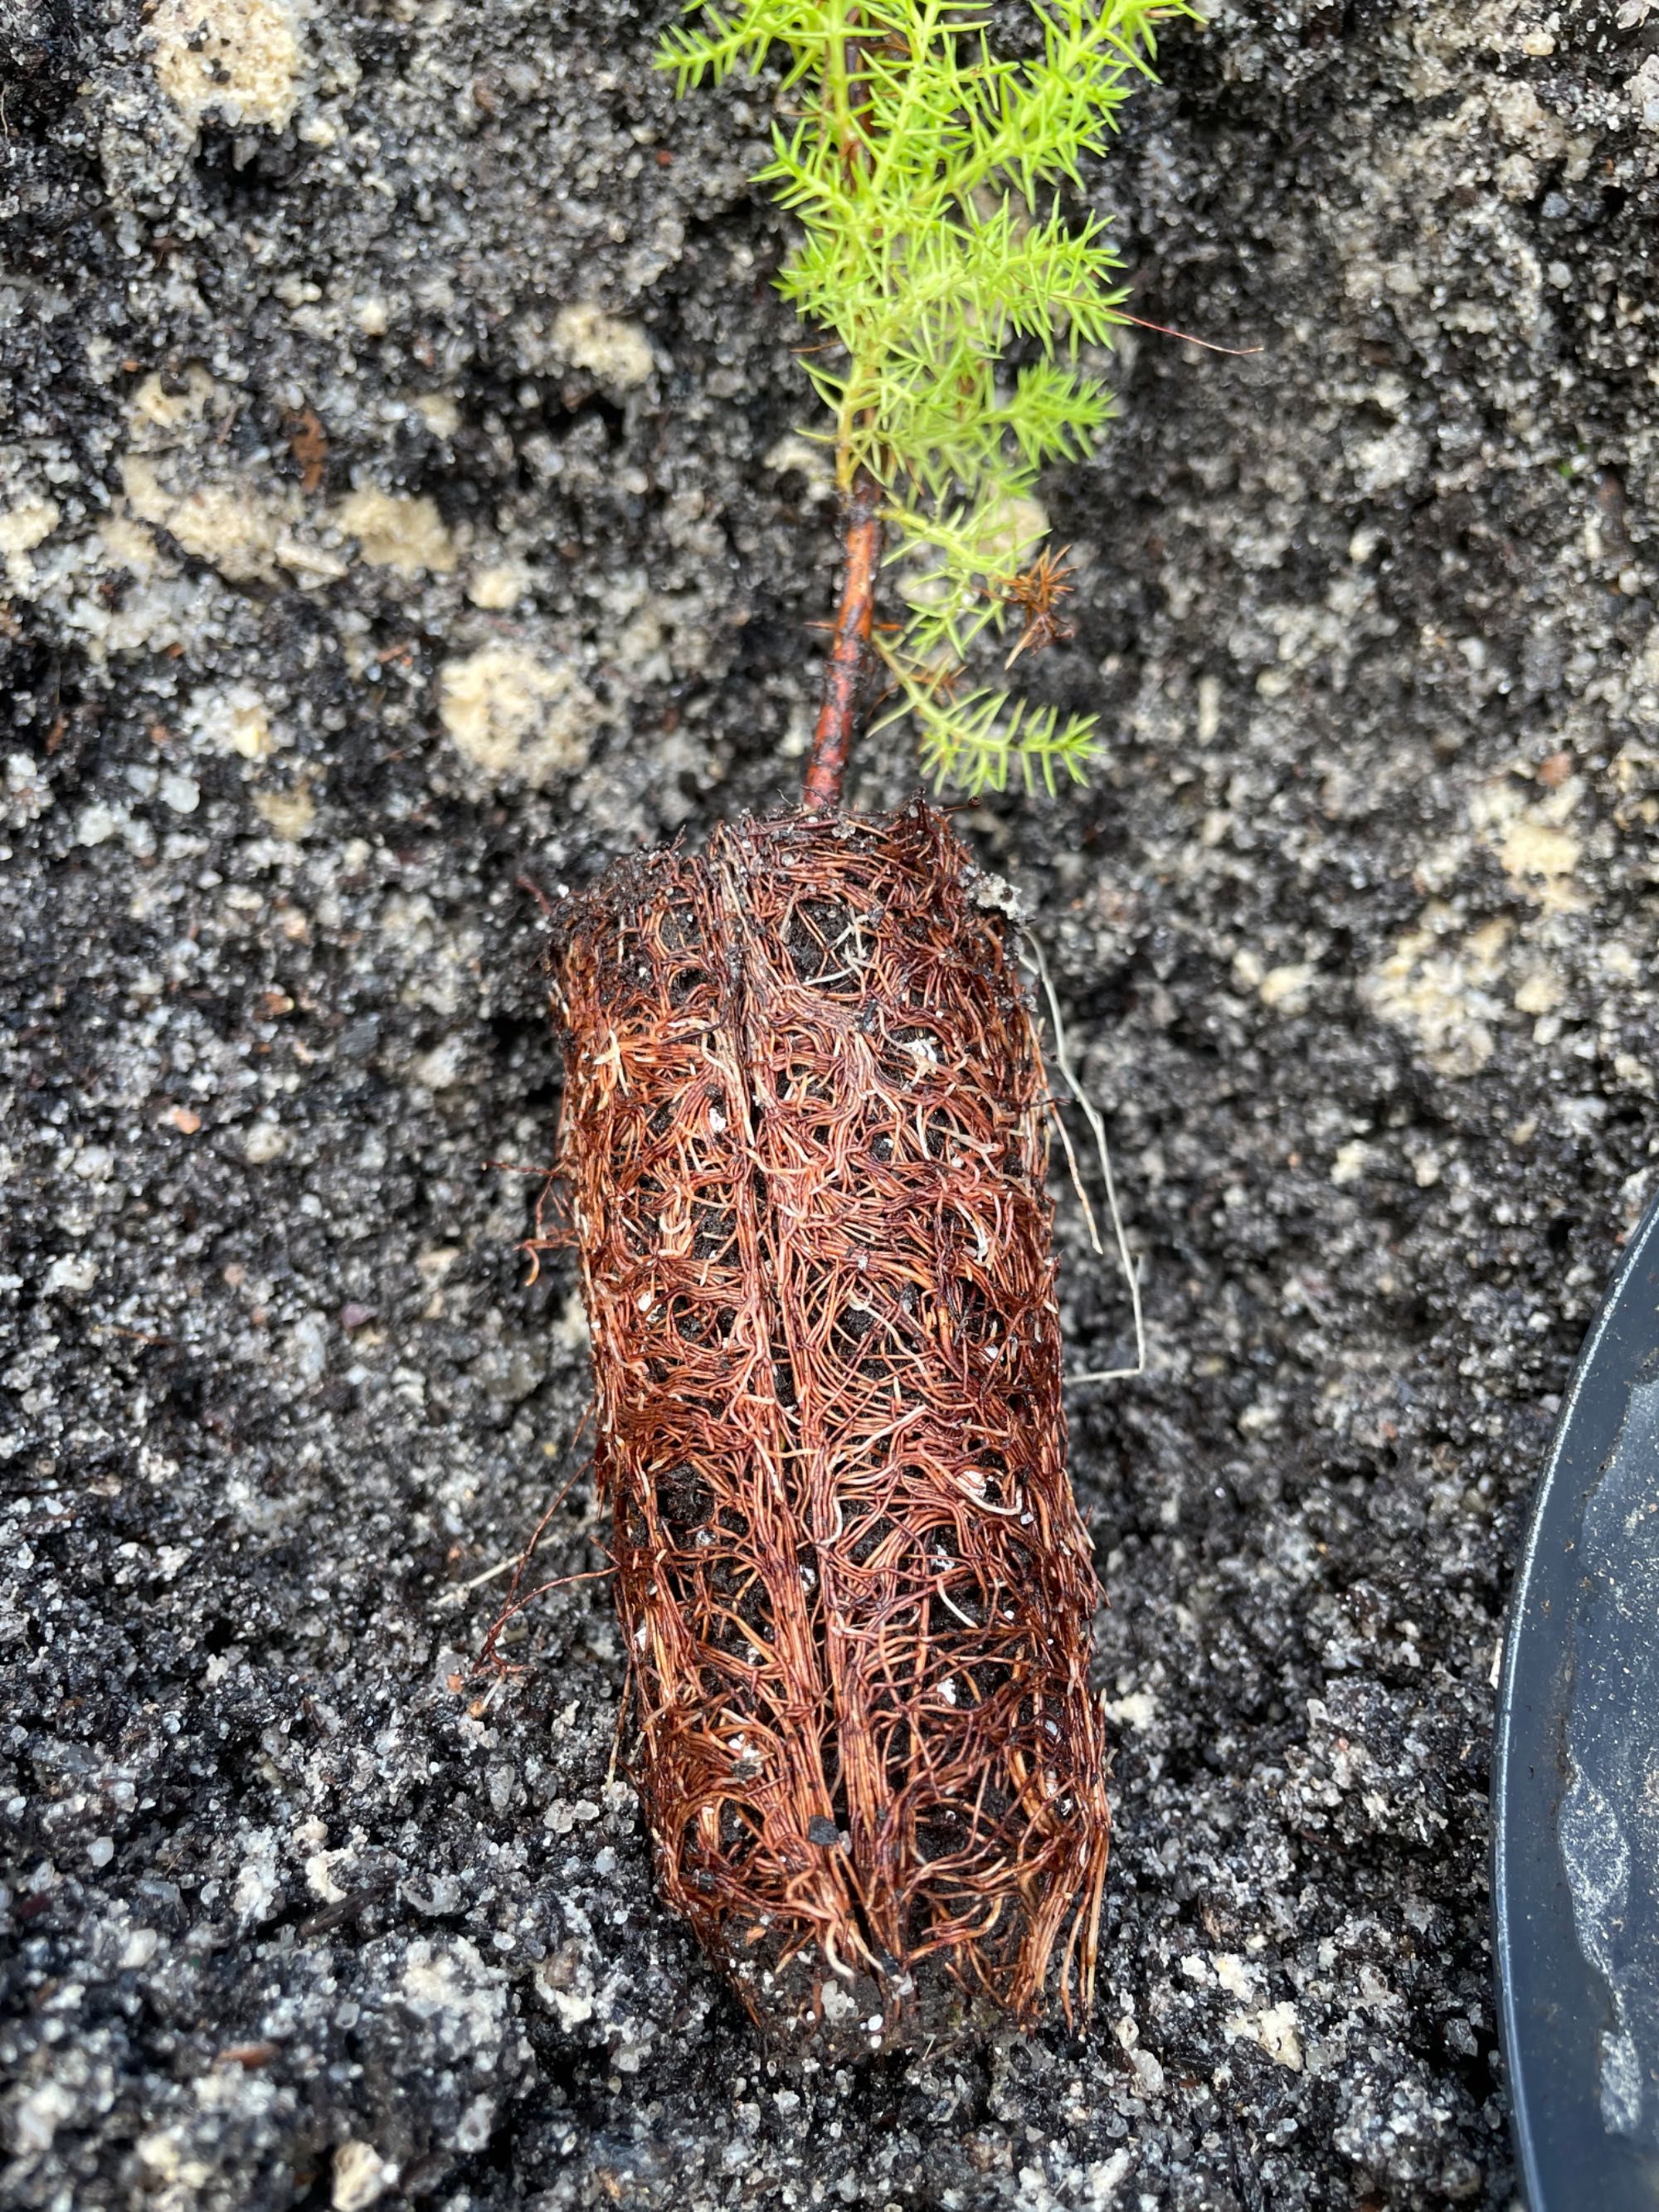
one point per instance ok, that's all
(958, 299)
(805, 1132)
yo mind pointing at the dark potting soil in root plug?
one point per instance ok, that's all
(804, 1149)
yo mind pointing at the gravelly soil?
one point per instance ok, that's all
(395, 494)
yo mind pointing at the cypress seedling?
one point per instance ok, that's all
(804, 1141)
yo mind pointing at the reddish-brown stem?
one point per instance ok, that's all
(838, 715)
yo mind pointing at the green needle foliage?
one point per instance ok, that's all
(925, 171)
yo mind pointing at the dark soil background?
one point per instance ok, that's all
(397, 493)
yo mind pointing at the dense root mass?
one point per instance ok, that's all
(803, 1144)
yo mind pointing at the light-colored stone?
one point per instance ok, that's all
(500, 586)
(232, 526)
(241, 59)
(617, 353)
(439, 411)
(23, 527)
(290, 813)
(361, 2177)
(264, 1142)
(234, 721)
(396, 531)
(517, 717)
(810, 457)
(1273, 2027)
(1287, 989)
(1537, 849)
(1440, 984)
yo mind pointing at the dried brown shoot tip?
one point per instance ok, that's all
(805, 1150)
(1038, 591)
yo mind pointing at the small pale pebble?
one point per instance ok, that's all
(73, 1272)
(96, 824)
(262, 1142)
(361, 2177)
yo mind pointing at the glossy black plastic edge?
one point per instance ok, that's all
(1552, 2005)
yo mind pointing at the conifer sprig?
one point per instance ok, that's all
(924, 170)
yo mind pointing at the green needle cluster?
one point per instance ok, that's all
(925, 171)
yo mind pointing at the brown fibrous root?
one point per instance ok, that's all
(804, 1150)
